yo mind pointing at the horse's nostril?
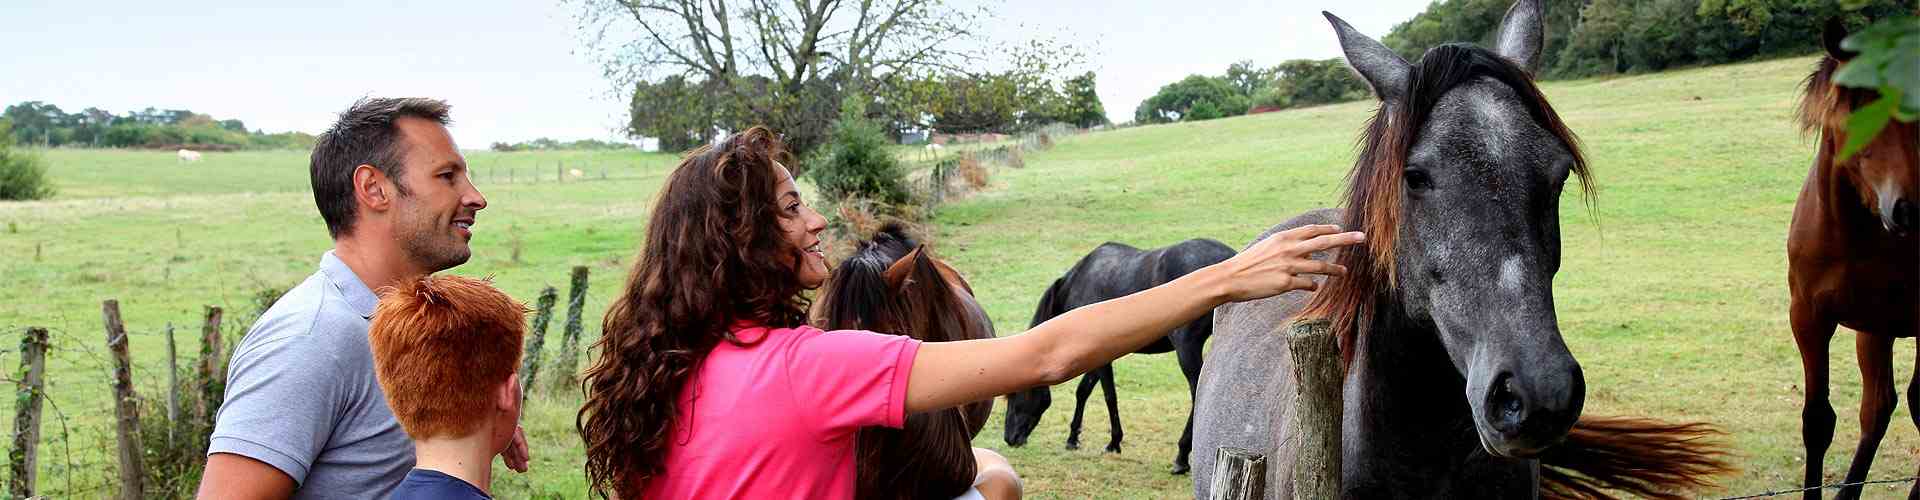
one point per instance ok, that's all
(1508, 408)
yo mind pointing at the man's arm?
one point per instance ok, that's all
(234, 476)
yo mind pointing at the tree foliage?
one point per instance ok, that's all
(1887, 59)
(858, 161)
(699, 68)
(22, 175)
(1299, 82)
(42, 124)
(1595, 37)
(1196, 97)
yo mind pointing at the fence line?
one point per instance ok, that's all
(1821, 487)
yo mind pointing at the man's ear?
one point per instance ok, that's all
(372, 188)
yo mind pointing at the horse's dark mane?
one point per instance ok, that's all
(929, 456)
(1375, 190)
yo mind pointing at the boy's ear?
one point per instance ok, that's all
(507, 396)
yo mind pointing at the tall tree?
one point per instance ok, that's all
(783, 64)
(1083, 102)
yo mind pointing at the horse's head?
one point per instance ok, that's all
(1886, 173)
(892, 284)
(1024, 408)
(1458, 189)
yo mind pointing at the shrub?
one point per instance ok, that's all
(857, 162)
(22, 175)
(973, 172)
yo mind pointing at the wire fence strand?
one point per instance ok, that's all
(1822, 487)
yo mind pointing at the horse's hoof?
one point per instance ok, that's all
(1180, 469)
(1073, 445)
(1113, 448)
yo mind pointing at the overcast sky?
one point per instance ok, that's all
(515, 70)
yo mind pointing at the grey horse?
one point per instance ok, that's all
(1459, 384)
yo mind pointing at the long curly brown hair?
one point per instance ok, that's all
(714, 255)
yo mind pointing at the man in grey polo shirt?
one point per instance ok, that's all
(304, 416)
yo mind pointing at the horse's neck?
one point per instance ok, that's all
(1408, 424)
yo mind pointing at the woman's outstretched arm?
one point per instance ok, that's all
(947, 374)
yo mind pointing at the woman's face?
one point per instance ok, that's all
(802, 226)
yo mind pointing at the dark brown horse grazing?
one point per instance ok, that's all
(893, 285)
(1853, 260)
(1459, 384)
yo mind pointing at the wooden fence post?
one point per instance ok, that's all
(213, 377)
(530, 367)
(23, 462)
(173, 386)
(1239, 474)
(570, 342)
(1319, 378)
(126, 407)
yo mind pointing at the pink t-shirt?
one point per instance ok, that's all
(777, 418)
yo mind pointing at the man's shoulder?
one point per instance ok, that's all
(303, 319)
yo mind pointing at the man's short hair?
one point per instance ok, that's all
(364, 135)
(441, 345)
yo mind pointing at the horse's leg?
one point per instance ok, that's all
(1877, 400)
(1080, 407)
(1811, 333)
(1913, 409)
(1113, 407)
(1190, 357)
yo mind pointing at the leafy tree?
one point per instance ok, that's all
(1887, 60)
(858, 161)
(1251, 80)
(1197, 97)
(22, 175)
(1083, 107)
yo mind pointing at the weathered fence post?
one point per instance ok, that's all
(570, 341)
(212, 375)
(1239, 474)
(126, 409)
(530, 367)
(1319, 377)
(173, 386)
(23, 462)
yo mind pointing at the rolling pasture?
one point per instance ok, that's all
(1672, 292)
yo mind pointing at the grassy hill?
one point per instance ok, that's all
(1672, 292)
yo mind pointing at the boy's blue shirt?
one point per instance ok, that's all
(423, 484)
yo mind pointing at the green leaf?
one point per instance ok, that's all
(1868, 121)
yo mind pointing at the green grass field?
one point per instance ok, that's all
(1672, 292)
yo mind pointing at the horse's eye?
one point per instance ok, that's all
(1418, 179)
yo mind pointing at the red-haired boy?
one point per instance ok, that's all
(446, 350)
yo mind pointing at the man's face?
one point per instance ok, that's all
(437, 204)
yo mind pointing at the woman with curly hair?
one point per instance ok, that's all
(709, 384)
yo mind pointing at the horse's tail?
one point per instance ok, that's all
(1641, 456)
(1051, 302)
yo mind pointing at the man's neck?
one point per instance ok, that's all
(464, 457)
(377, 262)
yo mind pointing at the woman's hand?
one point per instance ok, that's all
(1284, 262)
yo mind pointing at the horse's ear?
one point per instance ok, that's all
(1377, 65)
(1522, 33)
(897, 274)
(1830, 38)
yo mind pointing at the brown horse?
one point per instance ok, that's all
(893, 285)
(1853, 260)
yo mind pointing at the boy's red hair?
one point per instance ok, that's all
(441, 344)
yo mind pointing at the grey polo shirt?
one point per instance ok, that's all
(302, 397)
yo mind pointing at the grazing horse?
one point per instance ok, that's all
(1111, 271)
(893, 285)
(1852, 260)
(1458, 384)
